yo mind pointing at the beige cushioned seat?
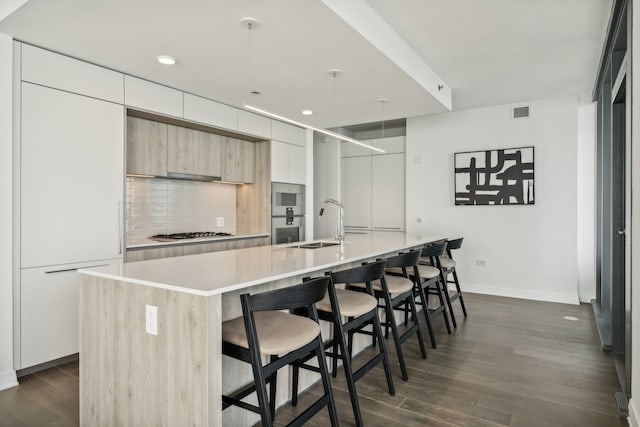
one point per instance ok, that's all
(395, 284)
(278, 332)
(427, 271)
(447, 262)
(352, 303)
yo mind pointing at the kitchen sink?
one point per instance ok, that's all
(316, 245)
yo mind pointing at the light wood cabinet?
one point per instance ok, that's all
(146, 147)
(194, 152)
(153, 253)
(238, 160)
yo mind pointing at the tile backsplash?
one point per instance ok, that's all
(160, 206)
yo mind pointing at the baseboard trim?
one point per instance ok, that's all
(8, 379)
(520, 293)
(633, 414)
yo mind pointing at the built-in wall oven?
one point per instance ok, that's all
(287, 213)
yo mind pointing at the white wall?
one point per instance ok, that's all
(530, 250)
(7, 374)
(586, 223)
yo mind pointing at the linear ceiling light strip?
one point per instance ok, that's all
(315, 129)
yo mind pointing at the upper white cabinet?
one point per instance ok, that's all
(355, 188)
(288, 133)
(373, 185)
(390, 145)
(72, 159)
(210, 112)
(58, 71)
(254, 124)
(387, 192)
(288, 163)
(152, 97)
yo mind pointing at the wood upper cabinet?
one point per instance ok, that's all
(239, 160)
(194, 152)
(146, 147)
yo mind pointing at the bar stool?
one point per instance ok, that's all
(396, 291)
(285, 338)
(430, 284)
(360, 310)
(447, 266)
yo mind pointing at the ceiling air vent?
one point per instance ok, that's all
(520, 112)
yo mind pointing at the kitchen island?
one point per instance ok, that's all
(135, 370)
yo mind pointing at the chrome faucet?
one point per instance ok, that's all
(340, 228)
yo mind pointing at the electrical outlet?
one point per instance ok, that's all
(152, 319)
(220, 221)
(418, 160)
(481, 262)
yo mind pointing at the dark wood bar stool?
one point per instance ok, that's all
(359, 309)
(396, 292)
(284, 338)
(447, 266)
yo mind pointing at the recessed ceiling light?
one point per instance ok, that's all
(166, 60)
(307, 112)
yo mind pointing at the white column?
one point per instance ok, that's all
(7, 373)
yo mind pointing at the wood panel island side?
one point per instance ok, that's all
(129, 377)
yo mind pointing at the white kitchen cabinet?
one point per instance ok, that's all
(49, 312)
(254, 124)
(72, 159)
(373, 185)
(394, 144)
(58, 71)
(210, 112)
(297, 165)
(349, 149)
(152, 97)
(288, 163)
(279, 161)
(387, 192)
(355, 187)
(288, 133)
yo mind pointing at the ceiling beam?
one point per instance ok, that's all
(366, 21)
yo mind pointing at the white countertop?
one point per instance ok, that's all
(219, 272)
(148, 243)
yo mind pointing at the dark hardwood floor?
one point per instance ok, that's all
(510, 363)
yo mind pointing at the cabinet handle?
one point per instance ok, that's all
(120, 231)
(387, 228)
(356, 226)
(74, 269)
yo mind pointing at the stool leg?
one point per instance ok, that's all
(348, 372)
(385, 357)
(425, 306)
(389, 321)
(295, 376)
(455, 280)
(414, 315)
(442, 303)
(445, 290)
(335, 350)
(326, 384)
(273, 382)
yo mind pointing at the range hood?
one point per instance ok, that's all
(191, 177)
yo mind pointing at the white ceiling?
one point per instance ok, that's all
(489, 52)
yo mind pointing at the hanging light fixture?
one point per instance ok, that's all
(383, 101)
(252, 23)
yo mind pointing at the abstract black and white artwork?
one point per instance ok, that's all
(494, 177)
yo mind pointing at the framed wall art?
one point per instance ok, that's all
(494, 177)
